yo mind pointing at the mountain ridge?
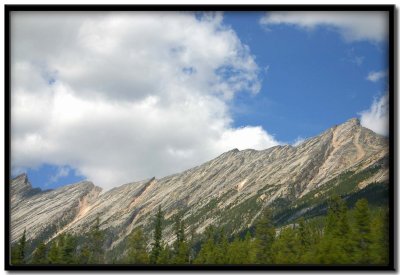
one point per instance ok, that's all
(230, 189)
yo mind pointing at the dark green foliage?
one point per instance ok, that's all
(358, 236)
(343, 236)
(248, 249)
(377, 195)
(336, 247)
(63, 250)
(380, 237)
(137, 253)
(157, 247)
(96, 242)
(207, 251)
(84, 254)
(165, 255)
(15, 258)
(265, 236)
(344, 185)
(362, 232)
(222, 246)
(214, 248)
(337, 222)
(286, 247)
(204, 211)
(181, 247)
(39, 254)
(240, 214)
(18, 251)
(67, 249)
(54, 254)
(242, 251)
(305, 236)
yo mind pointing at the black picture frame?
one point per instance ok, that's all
(392, 63)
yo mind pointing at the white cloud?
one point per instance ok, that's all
(121, 97)
(351, 25)
(376, 117)
(61, 173)
(298, 141)
(239, 138)
(376, 76)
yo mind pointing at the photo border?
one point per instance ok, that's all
(8, 9)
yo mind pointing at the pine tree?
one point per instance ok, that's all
(96, 242)
(191, 244)
(362, 232)
(157, 239)
(221, 248)
(137, 253)
(18, 253)
(181, 248)
(309, 235)
(265, 235)
(179, 228)
(337, 223)
(68, 249)
(336, 246)
(207, 253)
(39, 254)
(304, 234)
(286, 246)
(249, 249)
(165, 255)
(15, 258)
(84, 254)
(54, 253)
(380, 237)
(235, 252)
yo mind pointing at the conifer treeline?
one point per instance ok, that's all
(359, 236)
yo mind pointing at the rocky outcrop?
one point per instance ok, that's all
(20, 188)
(43, 214)
(229, 190)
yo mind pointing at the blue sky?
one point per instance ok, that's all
(313, 80)
(298, 77)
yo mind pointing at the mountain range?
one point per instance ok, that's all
(229, 191)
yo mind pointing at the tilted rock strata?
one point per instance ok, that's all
(45, 209)
(207, 192)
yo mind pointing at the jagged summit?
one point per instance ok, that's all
(349, 125)
(232, 187)
(22, 176)
(20, 181)
(21, 187)
(353, 121)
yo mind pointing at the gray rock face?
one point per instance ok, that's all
(44, 213)
(21, 187)
(229, 190)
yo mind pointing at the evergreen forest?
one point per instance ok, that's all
(359, 235)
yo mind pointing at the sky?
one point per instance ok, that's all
(121, 97)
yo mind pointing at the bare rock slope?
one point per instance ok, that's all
(229, 190)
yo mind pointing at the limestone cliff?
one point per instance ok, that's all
(229, 190)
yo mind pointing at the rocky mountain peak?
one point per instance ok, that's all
(21, 187)
(239, 183)
(353, 122)
(350, 125)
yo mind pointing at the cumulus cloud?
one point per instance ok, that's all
(61, 173)
(376, 76)
(298, 141)
(351, 25)
(239, 138)
(376, 117)
(121, 97)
